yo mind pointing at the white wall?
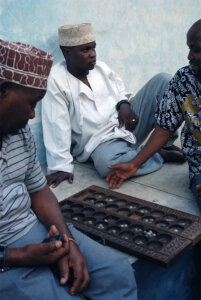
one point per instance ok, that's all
(137, 38)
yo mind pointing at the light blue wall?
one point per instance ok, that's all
(137, 38)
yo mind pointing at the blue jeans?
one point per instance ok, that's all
(112, 277)
(195, 181)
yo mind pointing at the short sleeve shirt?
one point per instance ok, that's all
(20, 174)
(182, 102)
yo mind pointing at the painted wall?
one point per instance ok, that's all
(137, 38)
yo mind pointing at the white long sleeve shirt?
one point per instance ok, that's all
(76, 119)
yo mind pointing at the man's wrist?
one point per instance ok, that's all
(3, 259)
(73, 241)
(120, 103)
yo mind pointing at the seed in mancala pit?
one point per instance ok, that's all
(109, 199)
(123, 224)
(162, 224)
(113, 229)
(144, 210)
(132, 205)
(100, 204)
(170, 218)
(184, 222)
(149, 233)
(140, 240)
(90, 200)
(176, 228)
(126, 235)
(148, 219)
(99, 196)
(89, 221)
(136, 228)
(78, 217)
(110, 219)
(101, 225)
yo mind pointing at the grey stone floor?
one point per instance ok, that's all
(167, 186)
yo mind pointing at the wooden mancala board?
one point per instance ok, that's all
(135, 226)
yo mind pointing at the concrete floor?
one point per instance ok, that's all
(167, 186)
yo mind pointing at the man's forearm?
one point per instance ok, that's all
(46, 208)
(157, 139)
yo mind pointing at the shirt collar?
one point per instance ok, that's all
(81, 87)
(3, 152)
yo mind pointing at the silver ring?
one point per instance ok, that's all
(133, 120)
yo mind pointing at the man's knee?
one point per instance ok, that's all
(101, 163)
(102, 168)
(121, 271)
(160, 83)
(163, 76)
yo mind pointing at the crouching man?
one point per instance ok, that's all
(180, 105)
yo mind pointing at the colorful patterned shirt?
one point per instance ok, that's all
(20, 174)
(182, 102)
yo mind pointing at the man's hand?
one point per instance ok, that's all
(55, 179)
(37, 254)
(44, 254)
(46, 207)
(62, 263)
(78, 263)
(128, 117)
(120, 173)
(74, 260)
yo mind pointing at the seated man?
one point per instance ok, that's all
(79, 112)
(181, 102)
(29, 211)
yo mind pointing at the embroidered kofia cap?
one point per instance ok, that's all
(24, 64)
(76, 34)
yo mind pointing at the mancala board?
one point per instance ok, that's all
(138, 227)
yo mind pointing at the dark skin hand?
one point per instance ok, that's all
(127, 117)
(121, 172)
(73, 261)
(55, 179)
(37, 254)
(46, 207)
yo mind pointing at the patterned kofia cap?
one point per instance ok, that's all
(24, 64)
(76, 34)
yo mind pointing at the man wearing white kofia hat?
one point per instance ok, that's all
(33, 235)
(86, 112)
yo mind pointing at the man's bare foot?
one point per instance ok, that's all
(173, 148)
(172, 154)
